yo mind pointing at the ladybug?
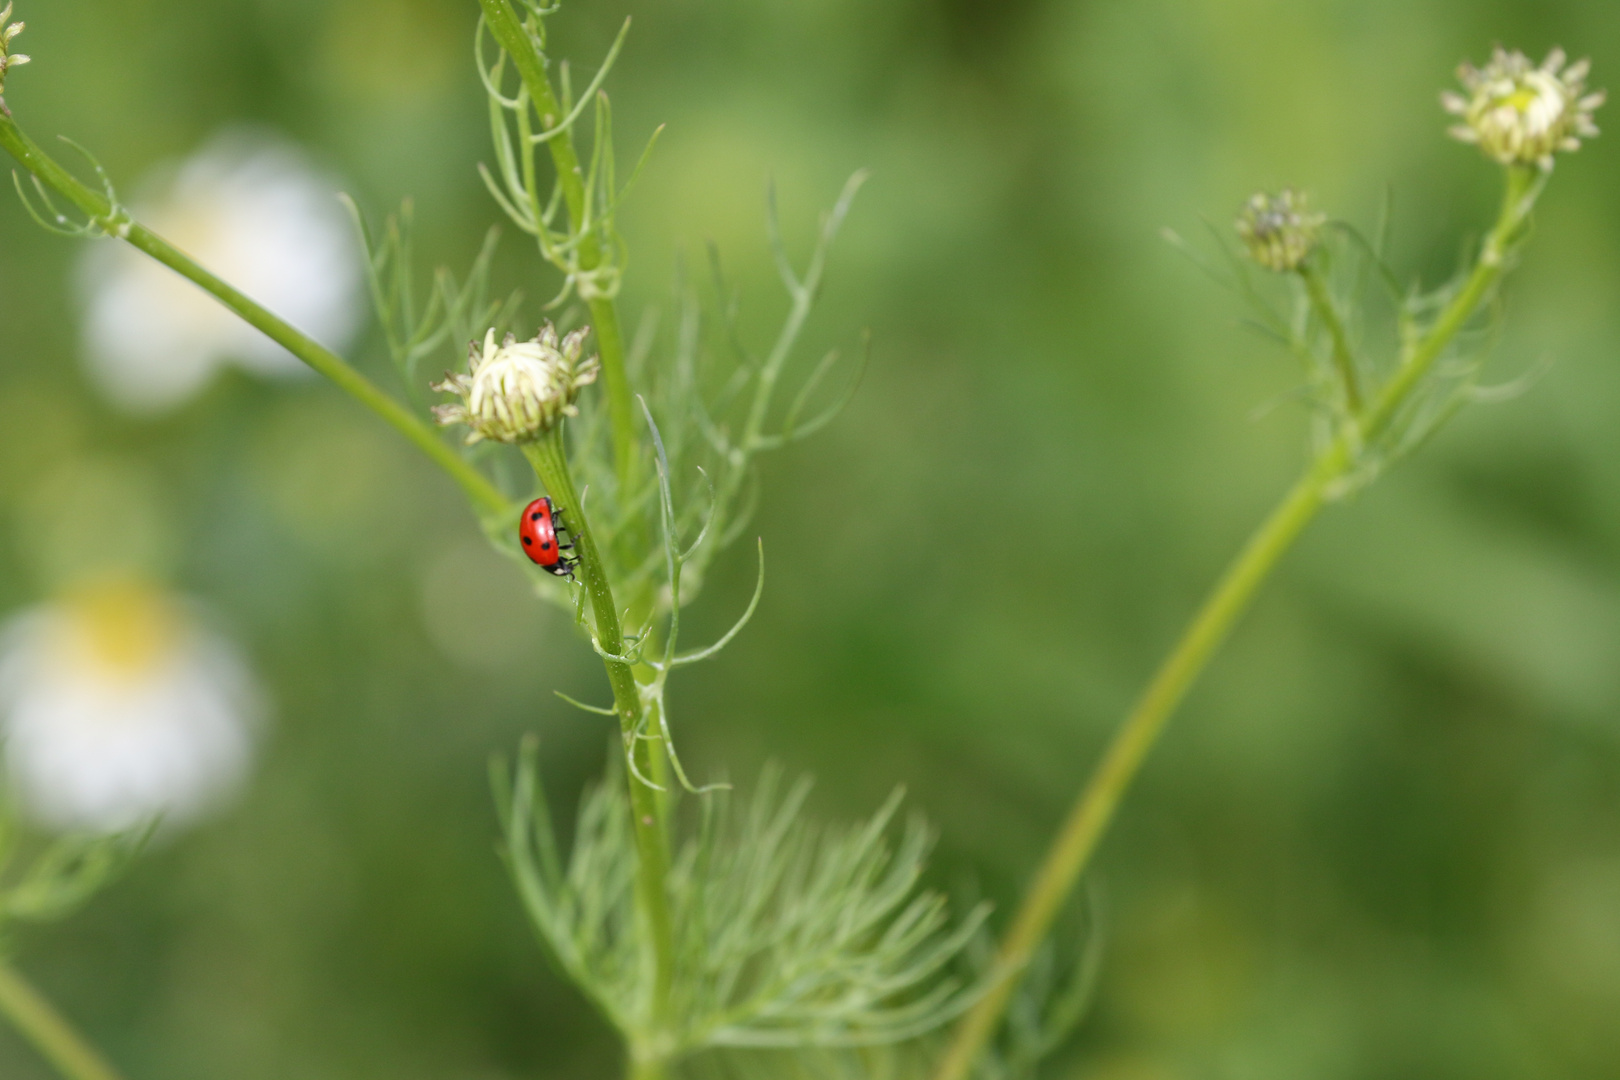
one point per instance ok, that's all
(538, 533)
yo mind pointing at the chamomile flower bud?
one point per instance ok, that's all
(8, 59)
(1521, 114)
(1278, 230)
(516, 391)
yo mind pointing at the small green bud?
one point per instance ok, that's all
(1278, 230)
(516, 391)
(1520, 114)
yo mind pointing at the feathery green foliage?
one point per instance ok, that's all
(787, 934)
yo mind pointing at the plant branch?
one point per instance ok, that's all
(1094, 810)
(518, 41)
(1344, 361)
(550, 462)
(51, 1034)
(1524, 185)
(107, 216)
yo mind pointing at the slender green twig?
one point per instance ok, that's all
(508, 28)
(109, 217)
(51, 1034)
(1344, 361)
(802, 293)
(550, 463)
(1524, 186)
(1083, 829)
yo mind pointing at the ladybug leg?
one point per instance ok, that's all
(560, 526)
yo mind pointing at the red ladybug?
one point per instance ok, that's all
(538, 533)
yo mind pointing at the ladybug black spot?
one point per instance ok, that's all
(527, 541)
(546, 546)
(534, 516)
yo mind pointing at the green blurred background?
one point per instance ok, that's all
(1383, 838)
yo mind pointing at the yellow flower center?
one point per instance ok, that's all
(123, 627)
(1521, 99)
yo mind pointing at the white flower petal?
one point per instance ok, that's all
(249, 208)
(89, 747)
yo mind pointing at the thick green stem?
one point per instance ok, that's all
(115, 221)
(51, 1034)
(508, 27)
(652, 844)
(1083, 829)
(1344, 361)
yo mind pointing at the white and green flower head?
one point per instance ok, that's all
(1521, 114)
(1279, 230)
(516, 391)
(8, 59)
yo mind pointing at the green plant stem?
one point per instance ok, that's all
(508, 27)
(51, 1034)
(550, 462)
(115, 221)
(1091, 814)
(1343, 359)
(1523, 187)
(1088, 820)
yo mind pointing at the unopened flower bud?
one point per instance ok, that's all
(1520, 114)
(1278, 230)
(516, 391)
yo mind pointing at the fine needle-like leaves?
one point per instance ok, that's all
(787, 933)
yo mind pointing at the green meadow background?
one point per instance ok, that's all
(1382, 839)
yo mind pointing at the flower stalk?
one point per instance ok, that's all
(1524, 186)
(550, 461)
(49, 1032)
(1094, 809)
(106, 215)
(1281, 233)
(1344, 362)
(519, 42)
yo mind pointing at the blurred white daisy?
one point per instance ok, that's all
(250, 208)
(118, 704)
